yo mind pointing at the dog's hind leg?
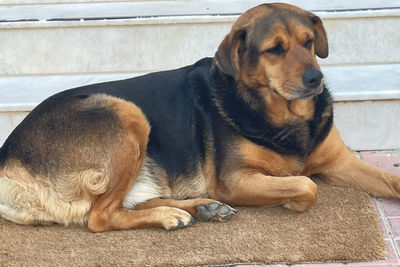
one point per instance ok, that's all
(107, 212)
(336, 164)
(203, 209)
(20, 204)
(28, 201)
(8, 188)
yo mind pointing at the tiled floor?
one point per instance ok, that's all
(388, 211)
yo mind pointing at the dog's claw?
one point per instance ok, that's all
(215, 211)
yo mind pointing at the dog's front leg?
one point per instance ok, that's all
(352, 171)
(337, 165)
(251, 188)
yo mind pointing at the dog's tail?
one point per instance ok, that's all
(83, 184)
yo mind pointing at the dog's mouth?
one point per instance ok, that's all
(292, 93)
(313, 92)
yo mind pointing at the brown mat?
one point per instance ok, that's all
(342, 226)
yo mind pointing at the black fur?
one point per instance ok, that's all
(294, 138)
(182, 108)
(175, 103)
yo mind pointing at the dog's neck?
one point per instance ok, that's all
(287, 127)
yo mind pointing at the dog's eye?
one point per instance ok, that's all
(308, 44)
(276, 50)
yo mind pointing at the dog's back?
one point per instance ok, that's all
(176, 103)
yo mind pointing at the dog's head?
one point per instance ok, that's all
(273, 46)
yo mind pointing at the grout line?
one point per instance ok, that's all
(385, 221)
(394, 239)
(380, 208)
(395, 248)
(382, 216)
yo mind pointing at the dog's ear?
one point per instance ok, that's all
(321, 40)
(230, 51)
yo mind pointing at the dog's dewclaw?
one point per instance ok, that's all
(215, 211)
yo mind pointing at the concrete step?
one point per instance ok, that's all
(148, 44)
(14, 10)
(367, 101)
(347, 83)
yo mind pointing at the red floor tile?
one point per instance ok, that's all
(397, 242)
(391, 207)
(394, 224)
(374, 202)
(332, 265)
(329, 264)
(384, 161)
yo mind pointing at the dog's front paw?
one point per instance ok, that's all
(215, 211)
(173, 218)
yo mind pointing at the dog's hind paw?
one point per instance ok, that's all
(216, 211)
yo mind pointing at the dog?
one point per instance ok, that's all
(248, 127)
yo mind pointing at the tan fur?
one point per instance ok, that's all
(334, 162)
(226, 57)
(189, 187)
(259, 177)
(283, 111)
(254, 157)
(188, 205)
(273, 74)
(210, 173)
(33, 200)
(29, 198)
(266, 178)
(252, 188)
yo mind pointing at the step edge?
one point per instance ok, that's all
(385, 96)
(180, 19)
(367, 96)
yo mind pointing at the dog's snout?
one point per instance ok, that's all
(312, 78)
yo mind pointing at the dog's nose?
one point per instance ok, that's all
(312, 78)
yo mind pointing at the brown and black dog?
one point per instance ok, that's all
(246, 128)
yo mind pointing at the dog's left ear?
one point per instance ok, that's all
(230, 51)
(321, 41)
